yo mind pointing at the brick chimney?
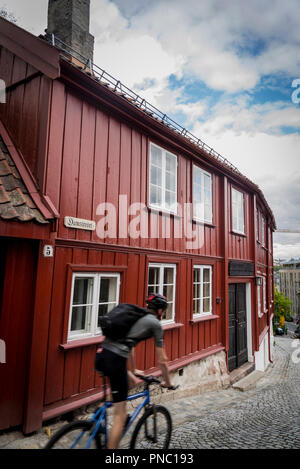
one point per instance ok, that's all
(69, 20)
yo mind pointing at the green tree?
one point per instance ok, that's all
(282, 307)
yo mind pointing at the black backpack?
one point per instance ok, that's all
(116, 324)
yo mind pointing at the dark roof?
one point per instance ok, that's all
(15, 201)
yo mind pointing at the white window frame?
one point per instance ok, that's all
(204, 202)
(259, 301)
(92, 330)
(264, 288)
(163, 206)
(263, 231)
(235, 212)
(203, 313)
(161, 286)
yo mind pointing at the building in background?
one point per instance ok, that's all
(289, 283)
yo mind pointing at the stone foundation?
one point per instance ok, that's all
(208, 374)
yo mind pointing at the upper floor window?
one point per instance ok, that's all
(93, 295)
(263, 230)
(162, 279)
(202, 195)
(202, 290)
(163, 179)
(238, 224)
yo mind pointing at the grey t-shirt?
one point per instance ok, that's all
(146, 327)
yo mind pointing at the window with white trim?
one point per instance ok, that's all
(202, 195)
(92, 296)
(202, 290)
(263, 230)
(237, 199)
(259, 300)
(261, 296)
(162, 279)
(163, 179)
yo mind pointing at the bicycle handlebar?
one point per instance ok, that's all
(151, 379)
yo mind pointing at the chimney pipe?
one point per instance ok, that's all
(69, 21)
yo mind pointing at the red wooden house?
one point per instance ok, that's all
(71, 141)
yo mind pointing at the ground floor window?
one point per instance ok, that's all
(162, 279)
(202, 290)
(93, 295)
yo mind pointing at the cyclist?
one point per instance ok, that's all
(112, 361)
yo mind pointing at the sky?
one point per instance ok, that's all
(228, 71)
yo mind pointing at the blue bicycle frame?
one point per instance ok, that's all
(100, 417)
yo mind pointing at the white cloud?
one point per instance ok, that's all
(286, 251)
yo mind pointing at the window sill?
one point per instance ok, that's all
(162, 211)
(236, 233)
(174, 325)
(205, 223)
(208, 317)
(82, 343)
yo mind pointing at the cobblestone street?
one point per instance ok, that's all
(265, 417)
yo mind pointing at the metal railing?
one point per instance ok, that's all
(115, 85)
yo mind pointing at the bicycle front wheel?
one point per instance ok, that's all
(153, 430)
(74, 435)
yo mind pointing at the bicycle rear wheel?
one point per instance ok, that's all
(74, 435)
(153, 430)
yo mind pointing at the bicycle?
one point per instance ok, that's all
(153, 428)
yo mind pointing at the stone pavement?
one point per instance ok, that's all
(265, 417)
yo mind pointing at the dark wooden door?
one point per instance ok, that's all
(237, 354)
(17, 287)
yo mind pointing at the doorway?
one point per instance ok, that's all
(17, 287)
(238, 350)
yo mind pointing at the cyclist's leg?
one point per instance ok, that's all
(119, 419)
(115, 367)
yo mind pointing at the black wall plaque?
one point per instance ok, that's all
(241, 269)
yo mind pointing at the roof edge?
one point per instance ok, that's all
(43, 203)
(38, 53)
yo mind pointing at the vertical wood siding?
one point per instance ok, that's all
(74, 368)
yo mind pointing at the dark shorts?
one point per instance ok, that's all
(115, 368)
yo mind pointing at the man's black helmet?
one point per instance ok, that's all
(157, 301)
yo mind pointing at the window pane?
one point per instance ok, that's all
(168, 313)
(104, 309)
(83, 291)
(155, 176)
(196, 307)
(170, 200)
(206, 275)
(171, 163)
(170, 182)
(206, 289)
(108, 289)
(168, 275)
(153, 289)
(206, 305)
(155, 195)
(168, 292)
(197, 275)
(80, 318)
(153, 278)
(197, 290)
(156, 156)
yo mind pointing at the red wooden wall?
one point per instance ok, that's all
(73, 367)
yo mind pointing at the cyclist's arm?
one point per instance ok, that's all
(163, 365)
(131, 363)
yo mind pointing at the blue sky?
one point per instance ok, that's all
(224, 70)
